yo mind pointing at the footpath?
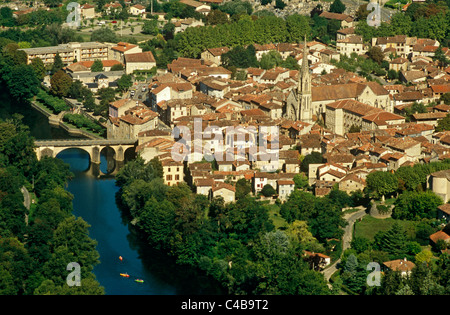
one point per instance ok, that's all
(346, 240)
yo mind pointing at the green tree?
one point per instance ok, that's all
(393, 241)
(22, 82)
(39, 68)
(445, 98)
(401, 23)
(136, 169)
(412, 205)
(441, 58)
(299, 206)
(381, 183)
(97, 66)
(117, 67)
(270, 60)
(216, 17)
(443, 124)
(243, 188)
(326, 221)
(104, 34)
(125, 82)
(301, 181)
(268, 191)
(240, 57)
(279, 4)
(150, 27)
(392, 74)
(312, 158)
(72, 234)
(60, 83)
(157, 220)
(376, 54)
(337, 7)
(57, 64)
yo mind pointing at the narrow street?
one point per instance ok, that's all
(346, 240)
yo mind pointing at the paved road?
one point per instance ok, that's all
(26, 201)
(347, 239)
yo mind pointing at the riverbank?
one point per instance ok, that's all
(57, 121)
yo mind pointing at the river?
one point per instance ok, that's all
(95, 202)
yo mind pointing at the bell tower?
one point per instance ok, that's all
(304, 99)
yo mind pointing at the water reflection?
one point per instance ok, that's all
(107, 168)
(96, 201)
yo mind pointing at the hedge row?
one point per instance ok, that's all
(81, 121)
(56, 104)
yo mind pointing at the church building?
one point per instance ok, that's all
(299, 101)
(308, 103)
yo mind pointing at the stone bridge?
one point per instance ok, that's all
(92, 146)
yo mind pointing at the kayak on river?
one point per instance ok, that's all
(126, 275)
(139, 280)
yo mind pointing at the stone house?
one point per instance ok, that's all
(87, 11)
(444, 212)
(119, 107)
(351, 183)
(438, 182)
(214, 55)
(351, 44)
(139, 61)
(399, 64)
(406, 145)
(137, 10)
(214, 87)
(97, 80)
(182, 25)
(345, 19)
(401, 265)
(173, 171)
(121, 49)
(226, 191)
(284, 188)
(134, 120)
(170, 91)
(204, 186)
(345, 32)
(112, 7)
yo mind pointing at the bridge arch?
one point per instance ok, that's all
(110, 154)
(117, 149)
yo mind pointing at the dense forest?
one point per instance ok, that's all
(235, 243)
(37, 244)
(239, 246)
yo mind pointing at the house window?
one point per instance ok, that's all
(169, 177)
(177, 177)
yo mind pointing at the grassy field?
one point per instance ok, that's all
(274, 215)
(369, 226)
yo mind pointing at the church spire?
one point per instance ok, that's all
(305, 57)
(304, 70)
